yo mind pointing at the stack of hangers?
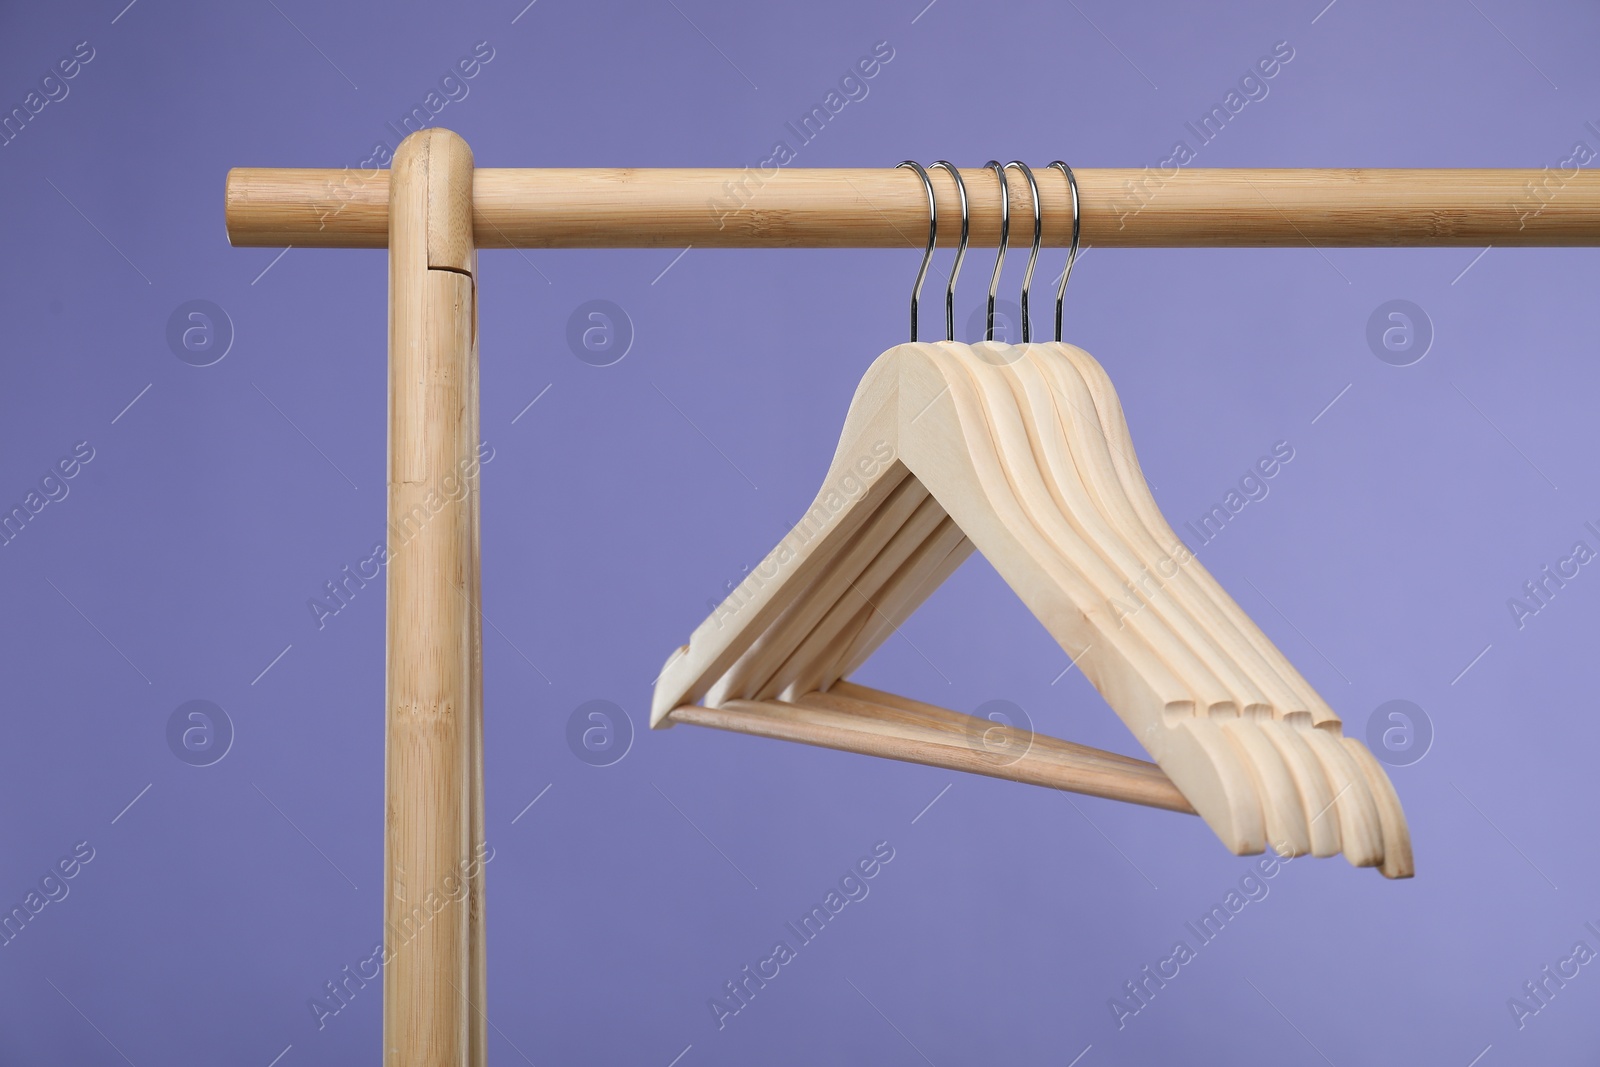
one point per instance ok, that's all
(1021, 452)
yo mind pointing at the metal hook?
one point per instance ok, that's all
(961, 250)
(933, 235)
(1072, 253)
(1005, 233)
(1033, 253)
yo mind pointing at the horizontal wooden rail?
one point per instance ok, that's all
(888, 208)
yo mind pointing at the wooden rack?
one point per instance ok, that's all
(433, 210)
(888, 208)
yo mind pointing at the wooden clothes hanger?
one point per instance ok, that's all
(1022, 452)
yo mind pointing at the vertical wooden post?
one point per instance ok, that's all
(433, 1003)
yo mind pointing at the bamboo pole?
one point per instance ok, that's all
(433, 981)
(887, 208)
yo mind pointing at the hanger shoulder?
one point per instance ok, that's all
(863, 474)
(1126, 463)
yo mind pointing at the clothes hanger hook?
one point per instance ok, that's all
(1072, 253)
(961, 250)
(1005, 233)
(933, 236)
(1033, 253)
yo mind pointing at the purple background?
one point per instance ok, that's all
(181, 562)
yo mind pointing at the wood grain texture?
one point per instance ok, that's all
(888, 208)
(1022, 453)
(433, 784)
(854, 718)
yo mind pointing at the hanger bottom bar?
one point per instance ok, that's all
(854, 718)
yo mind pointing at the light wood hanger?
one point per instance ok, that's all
(1022, 452)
